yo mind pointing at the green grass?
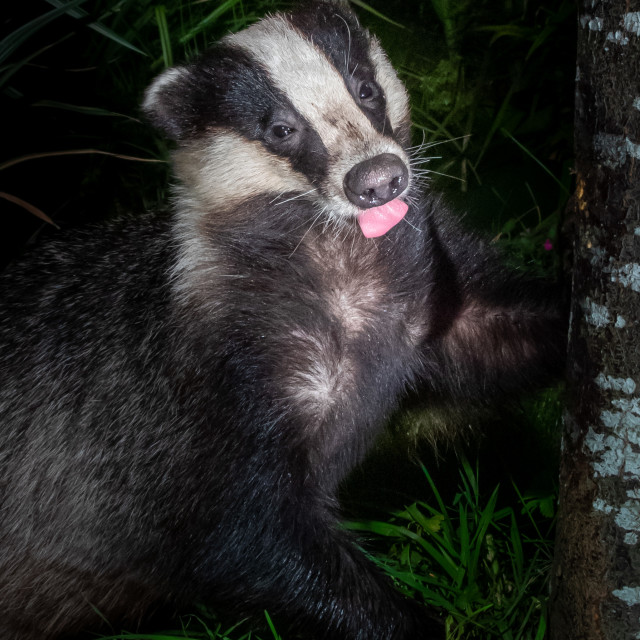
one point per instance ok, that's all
(485, 566)
(203, 626)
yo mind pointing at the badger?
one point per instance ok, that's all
(182, 394)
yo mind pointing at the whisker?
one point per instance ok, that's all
(278, 195)
(299, 195)
(427, 145)
(305, 233)
(423, 160)
(413, 226)
(446, 175)
(348, 51)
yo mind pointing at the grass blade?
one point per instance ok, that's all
(28, 207)
(10, 43)
(206, 22)
(73, 152)
(165, 40)
(72, 9)
(538, 162)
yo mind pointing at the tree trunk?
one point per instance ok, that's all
(596, 581)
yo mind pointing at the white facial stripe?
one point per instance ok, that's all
(304, 74)
(226, 168)
(397, 99)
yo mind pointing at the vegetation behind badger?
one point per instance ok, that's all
(182, 395)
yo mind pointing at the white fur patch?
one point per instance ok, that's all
(353, 302)
(224, 167)
(322, 378)
(345, 305)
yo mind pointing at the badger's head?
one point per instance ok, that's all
(305, 102)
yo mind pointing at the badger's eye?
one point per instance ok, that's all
(367, 91)
(281, 130)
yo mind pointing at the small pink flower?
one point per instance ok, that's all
(548, 245)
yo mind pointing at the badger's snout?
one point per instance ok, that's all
(376, 181)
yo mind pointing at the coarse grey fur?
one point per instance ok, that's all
(181, 395)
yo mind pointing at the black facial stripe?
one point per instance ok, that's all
(376, 111)
(339, 36)
(231, 90)
(329, 28)
(307, 153)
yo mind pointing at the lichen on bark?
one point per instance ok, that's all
(596, 581)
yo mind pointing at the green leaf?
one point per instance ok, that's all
(206, 22)
(71, 9)
(433, 524)
(542, 628)
(516, 550)
(370, 9)
(547, 506)
(11, 42)
(276, 636)
(535, 159)
(165, 40)
(90, 111)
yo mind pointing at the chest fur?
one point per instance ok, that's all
(346, 332)
(327, 325)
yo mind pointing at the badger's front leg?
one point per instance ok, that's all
(492, 330)
(340, 594)
(308, 574)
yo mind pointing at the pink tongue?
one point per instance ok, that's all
(378, 220)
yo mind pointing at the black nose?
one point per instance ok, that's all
(376, 181)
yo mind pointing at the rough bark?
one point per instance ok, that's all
(596, 590)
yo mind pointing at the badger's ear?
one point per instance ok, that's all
(166, 102)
